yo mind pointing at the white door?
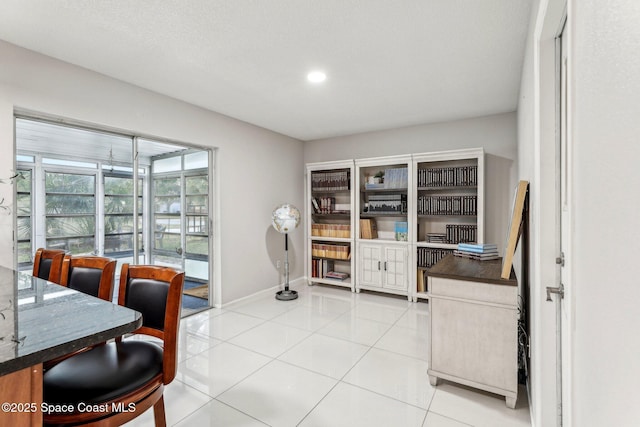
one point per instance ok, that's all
(563, 288)
(564, 234)
(395, 268)
(370, 265)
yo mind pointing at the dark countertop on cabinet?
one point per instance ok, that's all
(41, 320)
(460, 268)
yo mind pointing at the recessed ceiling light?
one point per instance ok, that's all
(316, 77)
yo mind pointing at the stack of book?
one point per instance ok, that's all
(337, 275)
(481, 252)
(436, 238)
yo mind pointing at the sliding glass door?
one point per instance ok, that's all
(180, 186)
(70, 211)
(82, 200)
(118, 214)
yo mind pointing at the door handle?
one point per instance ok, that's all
(555, 290)
(179, 251)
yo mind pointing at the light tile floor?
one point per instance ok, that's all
(329, 358)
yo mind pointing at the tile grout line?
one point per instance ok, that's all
(351, 310)
(367, 352)
(196, 410)
(452, 419)
(242, 412)
(341, 380)
(394, 324)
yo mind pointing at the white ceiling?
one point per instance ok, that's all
(390, 63)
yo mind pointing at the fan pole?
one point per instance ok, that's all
(286, 295)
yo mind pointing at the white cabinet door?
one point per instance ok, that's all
(395, 268)
(370, 265)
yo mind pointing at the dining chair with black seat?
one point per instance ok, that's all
(124, 374)
(92, 275)
(47, 264)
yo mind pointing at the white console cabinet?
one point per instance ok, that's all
(474, 326)
(383, 267)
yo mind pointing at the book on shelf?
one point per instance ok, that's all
(461, 176)
(336, 251)
(478, 248)
(330, 180)
(402, 231)
(331, 230)
(427, 257)
(477, 256)
(328, 205)
(338, 275)
(479, 251)
(374, 186)
(421, 281)
(436, 238)
(387, 203)
(320, 267)
(447, 205)
(368, 229)
(396, 178)
(461, 233)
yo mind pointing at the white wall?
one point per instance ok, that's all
(604, 41)
(497, 134)
(257, 169)
(7, 163)
(606, 131)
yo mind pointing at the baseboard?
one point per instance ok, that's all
(293, 284)
(528, 387)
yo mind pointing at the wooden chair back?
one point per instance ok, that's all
(92, 275)
(156, 292)
(48, 264)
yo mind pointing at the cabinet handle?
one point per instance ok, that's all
(378, 265)
(385, 266)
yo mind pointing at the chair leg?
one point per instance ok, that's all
(158, 413)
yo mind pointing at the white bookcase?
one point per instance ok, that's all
(383, 200)
(438, 197)
(330, 217)
(448, 195)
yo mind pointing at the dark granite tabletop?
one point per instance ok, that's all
(40, 320)
(460, 268)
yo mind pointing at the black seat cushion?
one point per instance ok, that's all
(45, 268)
(85, 280)
(102, 373)
(149, 297)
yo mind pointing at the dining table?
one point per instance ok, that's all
(41, 321)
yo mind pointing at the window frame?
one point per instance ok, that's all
(25, 167)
